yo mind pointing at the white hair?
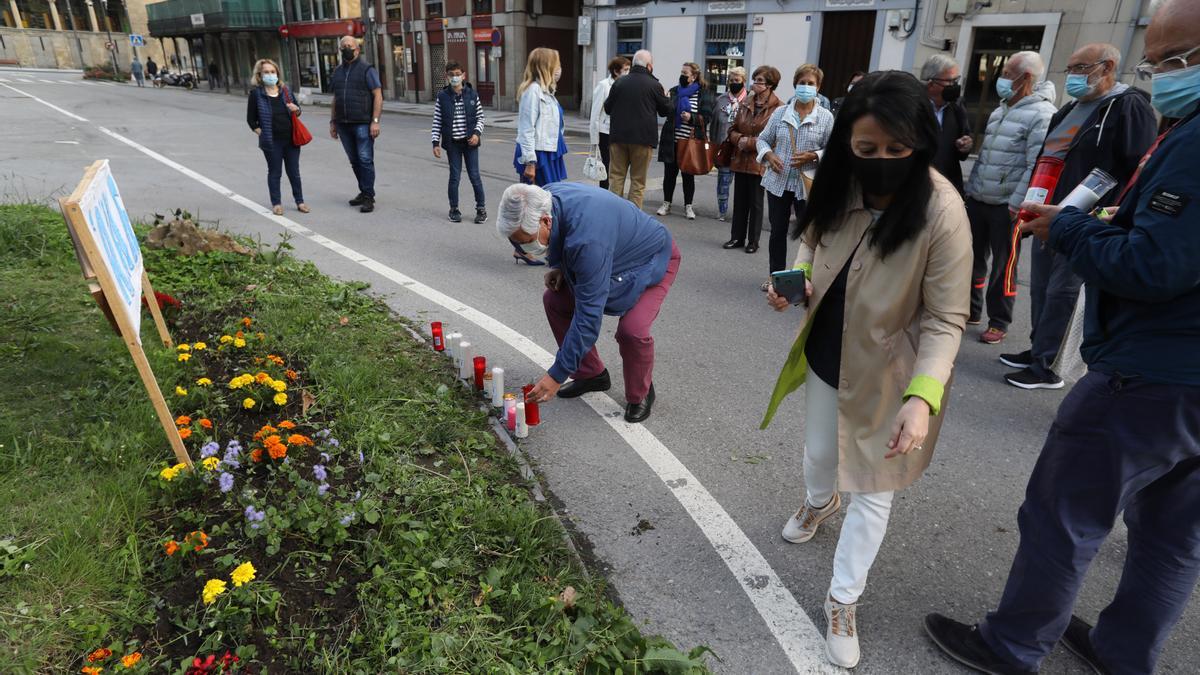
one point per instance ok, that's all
(521, 208)
(643, 58)
(1029, 62)
(936, 65)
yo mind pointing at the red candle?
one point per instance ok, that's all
(480, 366)
(439, 344)
(532, 416)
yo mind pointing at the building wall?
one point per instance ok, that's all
(66, 49)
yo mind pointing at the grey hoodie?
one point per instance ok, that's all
(1011, 146)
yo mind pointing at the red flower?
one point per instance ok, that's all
(211, 665)
(164, 300)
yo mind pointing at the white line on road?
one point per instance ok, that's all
(792, 628)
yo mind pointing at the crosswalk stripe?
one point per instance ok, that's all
(49, 81)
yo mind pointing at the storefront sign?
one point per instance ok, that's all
(456, 37)
(482, 34)
(583, 33)
(310, 29)
(197, 20)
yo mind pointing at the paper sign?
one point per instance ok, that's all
(109, 224)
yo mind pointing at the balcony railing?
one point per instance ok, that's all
(174, 17)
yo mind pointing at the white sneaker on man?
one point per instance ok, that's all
(841, 633)
(665, 209)
(687, 211)
(803, 526)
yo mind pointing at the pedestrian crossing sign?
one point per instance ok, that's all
(136, 40)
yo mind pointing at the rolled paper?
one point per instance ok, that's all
(480, 365)
(497, 387)
(533, 416)
(466, 360)
(522, 428)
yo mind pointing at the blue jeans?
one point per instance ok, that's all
(724, 179)
(360, 149)
(283, 155)
(458, 152)
(1117, 444)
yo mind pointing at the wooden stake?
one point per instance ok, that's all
(152, 303)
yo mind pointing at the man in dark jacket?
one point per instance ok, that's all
(1127, 438)
(357, 105)
(942, 79)
(1109, 126)
(634, 105)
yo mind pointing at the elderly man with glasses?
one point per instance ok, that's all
(943, 79)
(1127, 438)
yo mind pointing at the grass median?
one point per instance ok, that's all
(349, 510)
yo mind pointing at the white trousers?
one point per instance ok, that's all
(866, 516)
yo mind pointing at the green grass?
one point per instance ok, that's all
(452, 567)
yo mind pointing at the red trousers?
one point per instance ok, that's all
(633, 332)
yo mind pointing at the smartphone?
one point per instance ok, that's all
(790, 284)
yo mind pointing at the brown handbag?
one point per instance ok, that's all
(696, 155)
(724, 156)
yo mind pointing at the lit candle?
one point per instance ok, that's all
(532, 415)
(466, 360)
(480, 365)
(439, 344)
(487, 385)
(522, 428)
(497, 387)
(510, 411)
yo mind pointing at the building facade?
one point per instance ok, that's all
(220, 38)
(74, 34)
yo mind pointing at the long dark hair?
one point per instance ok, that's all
(900, 103)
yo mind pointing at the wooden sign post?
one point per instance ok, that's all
(111, 260)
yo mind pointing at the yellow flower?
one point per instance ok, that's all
(226, 339)
(248, 403)
(212, 590)
(168, 474)
(239, 343)
(280, 399)
(243, 574)
(184, 356)
(180, 391)
(211, 463)
(199, 345)
(279, 385)
(184, 347)
(204, 382)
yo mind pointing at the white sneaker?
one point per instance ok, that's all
(665, 209)
(803, 526)
(841, 634)
(687, 211)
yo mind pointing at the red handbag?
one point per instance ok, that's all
(300, 133)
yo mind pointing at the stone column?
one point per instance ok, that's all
(16, 13)
(54, 15)
(92, 16)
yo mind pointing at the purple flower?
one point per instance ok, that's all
(319, 473)
(254, 517)
(226, 481)
(324, 456)
(209, 449)
(361, 459)
(347, 519)
(233, 446)
(333, 443)
(324, 433)
(358, 495)
(322, 489)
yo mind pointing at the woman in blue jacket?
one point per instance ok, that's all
(269, 113)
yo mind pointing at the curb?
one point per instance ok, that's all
(19, 69)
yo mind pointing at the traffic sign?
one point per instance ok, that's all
(110, 46)
(497, 38)
(136, 40)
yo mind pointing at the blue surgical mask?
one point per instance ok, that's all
(1004, 88)
(270, 79)
(1176, 94)
(1078, 86)
(805, 93)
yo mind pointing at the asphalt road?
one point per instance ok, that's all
(952, 534)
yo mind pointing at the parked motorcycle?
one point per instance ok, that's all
(166, 78)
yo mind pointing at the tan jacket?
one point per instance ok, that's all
(904, 319)
(748, 124)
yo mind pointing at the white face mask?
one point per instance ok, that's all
(456, 80)
(535, 248)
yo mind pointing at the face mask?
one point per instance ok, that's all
(347, 54)
(535, 248)
(684, 81)
(951, 93)
(1176, 94)
(270, 79)
(1078, 85)
(805, 93)
(456, 80)
(880, 176)
(557, 74)
(1004, 88)
(736, 88)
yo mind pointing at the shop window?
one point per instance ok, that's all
(630, 37)
(310, 68)
(434, 9)
(724, 48)
(481, 7)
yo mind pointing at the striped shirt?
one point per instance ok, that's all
(811, 134)
(684, 130)
(458, 125)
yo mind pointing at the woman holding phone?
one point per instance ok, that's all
(885, 241)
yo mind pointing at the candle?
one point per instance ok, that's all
(510, 411)
(480, 365)
(532, 414)
(497, 387)
(451, 345)
(487, 385)
(522, 428)
(466, 359)
(439, 343)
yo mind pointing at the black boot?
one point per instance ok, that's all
(358, 200)
(577, 388)
(964, 644)
(638, 412)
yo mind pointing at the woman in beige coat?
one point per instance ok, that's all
(887, 248)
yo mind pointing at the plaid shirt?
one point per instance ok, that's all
(812, 134)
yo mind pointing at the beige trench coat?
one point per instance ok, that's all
(904, 320)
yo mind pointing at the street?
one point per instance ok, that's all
(681, 514)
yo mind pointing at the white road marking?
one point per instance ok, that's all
(792, 628)
(49, 81)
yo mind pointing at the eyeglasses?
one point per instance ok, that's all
(759, 80)
(944, 82)
(1146, 70)
(1081, 68)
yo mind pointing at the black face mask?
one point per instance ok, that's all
(881, 176)
(951, 93)
(347, 54)
(683, 81)
(736, 88)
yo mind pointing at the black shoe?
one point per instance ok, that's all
(964, 644)
(358, 200)
(1027, 379)
(1078, 641)
(480, 216)
(751, 248)
(638, 412)
(974, 319)
(733, 243)
(1022, 360)
(577, 388)
(455, 216)
(368, 205)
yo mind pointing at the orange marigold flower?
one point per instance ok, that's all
(261, 377)
(184, 433)
(183, 421)
(277, 451)
(197, 540)
(273, 439)
(99, 655)
(275, 359)
(246, 321)
(91, 670)
(131, 660)
(290, 374)
(299, 439)
(287, 424)
(171, 546)
(257, 360)
(239, 334)
(206, 423)
(261, 336)
(256, 454)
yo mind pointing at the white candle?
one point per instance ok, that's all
(487, 385)
(522, 427)
(466, 360)
(497, 387)
(452, 346)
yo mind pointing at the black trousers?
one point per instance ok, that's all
(604, 157)
(779, 213)
(993, 234)
(746, 225)
(670, 174)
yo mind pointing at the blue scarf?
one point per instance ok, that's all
(683, 102)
